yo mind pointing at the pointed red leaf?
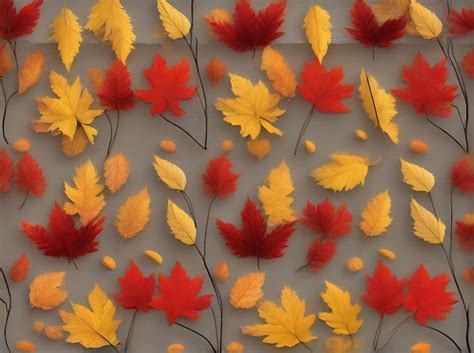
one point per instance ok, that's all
(461, 23)
(15, 24)
(320, 253)
(6, 172)
(115, 92)
(465, 235)
(462, 174)
(20, 269)
(219, 180)
(29, 176)
(468, 63)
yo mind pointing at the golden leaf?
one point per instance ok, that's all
(170, 174)
(417, 177)
(181, 224)
(426, 23)
(317, 26)
(133, 215)
(376, 215)
(45, 291)
(247, 290)
(116, 172)
(426, 225)
(174, 22)
(277, 70)
(76, 145)
(31, 71)
(259, 148)
(386, 10)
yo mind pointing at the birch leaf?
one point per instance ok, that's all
(170, 174)
(277, 70)
(116, 172)
(426, 225)
(31, 71)
(417, 177)
(317, 26)
(174, 22)
(133, 215)
(247, 290)
(426, 23)
(376, 215)
(45, 291)
(181, 224)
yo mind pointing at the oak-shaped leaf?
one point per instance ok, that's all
(218, 179)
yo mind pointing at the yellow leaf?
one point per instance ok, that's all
(275, 196)
(317, 26)
(386, 10)
(259, 148)
(286, 326)
(116, 171)
(426, 23)
(253, 108)
(247, 290)
(31, 71)
(379, 105)
(66, 31)
(340, 344)
(344, 172)
(170, 174)
(417, 177)
(134, 215)
(45, 291)
(426, 225)
(94, 327)
(277, 70)
(174, 22)
(109, 21)
(181, 225)
(376, 215)
(343, 316)
(76, 145)
(87, 199)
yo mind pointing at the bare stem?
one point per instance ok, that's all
(8, 308)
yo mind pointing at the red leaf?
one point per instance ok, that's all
(219, 179)
(179, 295)
(61, 238)
(136, 290)
(465, 235)
(6, 172)
(462, 174)
(461, 23)
(20, 269)
(427, 90)
(369, 32)
(324, 218)
(384, 291)
(15, 24)
(249, 30)
(115, 92)
(253, 239)
(320, 253)
(428, 297)
(168, 86)
(468, 63)
(29, 176)
(323, 88)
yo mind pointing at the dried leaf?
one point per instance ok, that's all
(116, 172)
(45, 291)
(427, 24)
(376, 215)
(247, 290)
(31, 71)
(317, 26)
(417, 177)
(181, 224)
(277, 70)
(170, 174)
(426, 225)
(134, 214)
(174, 22)
(66, 31)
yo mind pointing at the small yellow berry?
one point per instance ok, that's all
(310, 146)
(25, 346)
(421, 347)
(221, 271)
(38, 326)
(168, 146)
(54, 333)
(361, 135)
(235, 347)
(175, 348)
(109, 263)
(388, 254)
(227, 146)
(354, 264)
(155, 256)
(419, 146)
(259, 148)
(21, 145)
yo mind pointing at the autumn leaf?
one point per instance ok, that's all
(174, 22)
(278, 72)
(6, 171)
(133, 215)
(115, 92)
(116, 172)
(461, 23)
(326, 219)
(31, 71)
(417, 177)
(6, 63)
(376, 215)
(181, 224)
(45, 291)
(285, 326)
(170, 174)
(462, 174)
(247, 290)
(426, 225)
(20, 268)
(29, 176)
(14, 24)
(75, 146)
(319, 254)
(468, 63)
(465, 234)
(391, 9)
(218, 179)
(426, 23)
(317, 27)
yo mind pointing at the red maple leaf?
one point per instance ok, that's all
(428, 297)
(15, 24)
(29, 176)
(326, 219)
(116, 93)
(465, 235)
(369, 32)
(168, 86)
(253, 239)
(219, 180)
(384, 291)
(179, 295)
(20, 268)
(6, 171)
(427, 90)
(468, 63)
(462, 174)
(323, 88)
(62, 238)
(249, 30)
(461, 23)
(136, 290)
(319, 254)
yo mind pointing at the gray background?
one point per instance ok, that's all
(139, 139)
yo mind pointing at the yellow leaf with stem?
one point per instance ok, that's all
(133, 215)
(426, 22)
(277, 70)
(417, 177)
(376, 215)
(317, 27)
(426, 225)
(181, 224)
(116, 172)
(174, 22)
(170, 174)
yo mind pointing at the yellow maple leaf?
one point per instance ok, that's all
(275, 196)
(343, 316)
(116, 172)
(45, 291)
(174, 22)
(344, 172)
(253, 108)
(181, 224)
(109, 21)
(426, 225)
(86, 198)
(376, 215)
(170, 174)
(133, 215)
(277, 70)
(317, 27)
(286, 326)
(386, 10)
(379, 105)
(31, 71)
(247, 290)
(94, 327)
(66, 31)
(425, 21)
(76, 145)
(417, 177)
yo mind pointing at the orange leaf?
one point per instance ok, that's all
(31, 71)
(20, 269)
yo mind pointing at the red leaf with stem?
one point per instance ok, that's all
(29, 177)
(116, 93)
(218, 178)
(462, 174)
(15, 24)
(465, 235)
(319, 254)
(6, 172)
(461, 23)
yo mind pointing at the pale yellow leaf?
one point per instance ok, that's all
(46, 292)
(426, 22)
(133, 215)
(317, 27)
(386, 10)
(376, 215)
(31, 71)
(76, 145)
(277, 70)
(247, 290)
(174, 22)
(417, 177)
(181, 224)
(116, 172)
(170, 174)
(426, 225)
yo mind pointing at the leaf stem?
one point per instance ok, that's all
(115, 132)
(27, 194)
(183, 130)
(207, 223)
(199, 334)
(8, 308)
(111, 129)
(303, 129)
(445, 335)
(447, 133)
(130, 330)
(394, 331)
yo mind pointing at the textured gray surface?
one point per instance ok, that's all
(139, 139)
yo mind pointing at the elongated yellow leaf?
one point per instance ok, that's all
(133, 215)
(426, 225)
(417, 177)
(170, 174)
(343, 316)
(66, 31)
(181, 224)
(277, 70)
(275, 196)
(379, 105)
(31, 71)
(116, 172)
(86, 198)
(46, 292)
(247, 290)
(317, 26)
(174, 22)
(376, 215)
(109, 21)
(427, 24)
(285, 326)
(344, 172)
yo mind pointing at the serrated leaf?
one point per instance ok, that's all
(417, 177)
(317, 26)
(30, 71)
(116, 172)
(247, 290)
(426, 225)
(376, 215)
(282, 76)
(174, 22)
(133, 215)
(45, 291)
(426, 23)
(181, 224)
(170, 174)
